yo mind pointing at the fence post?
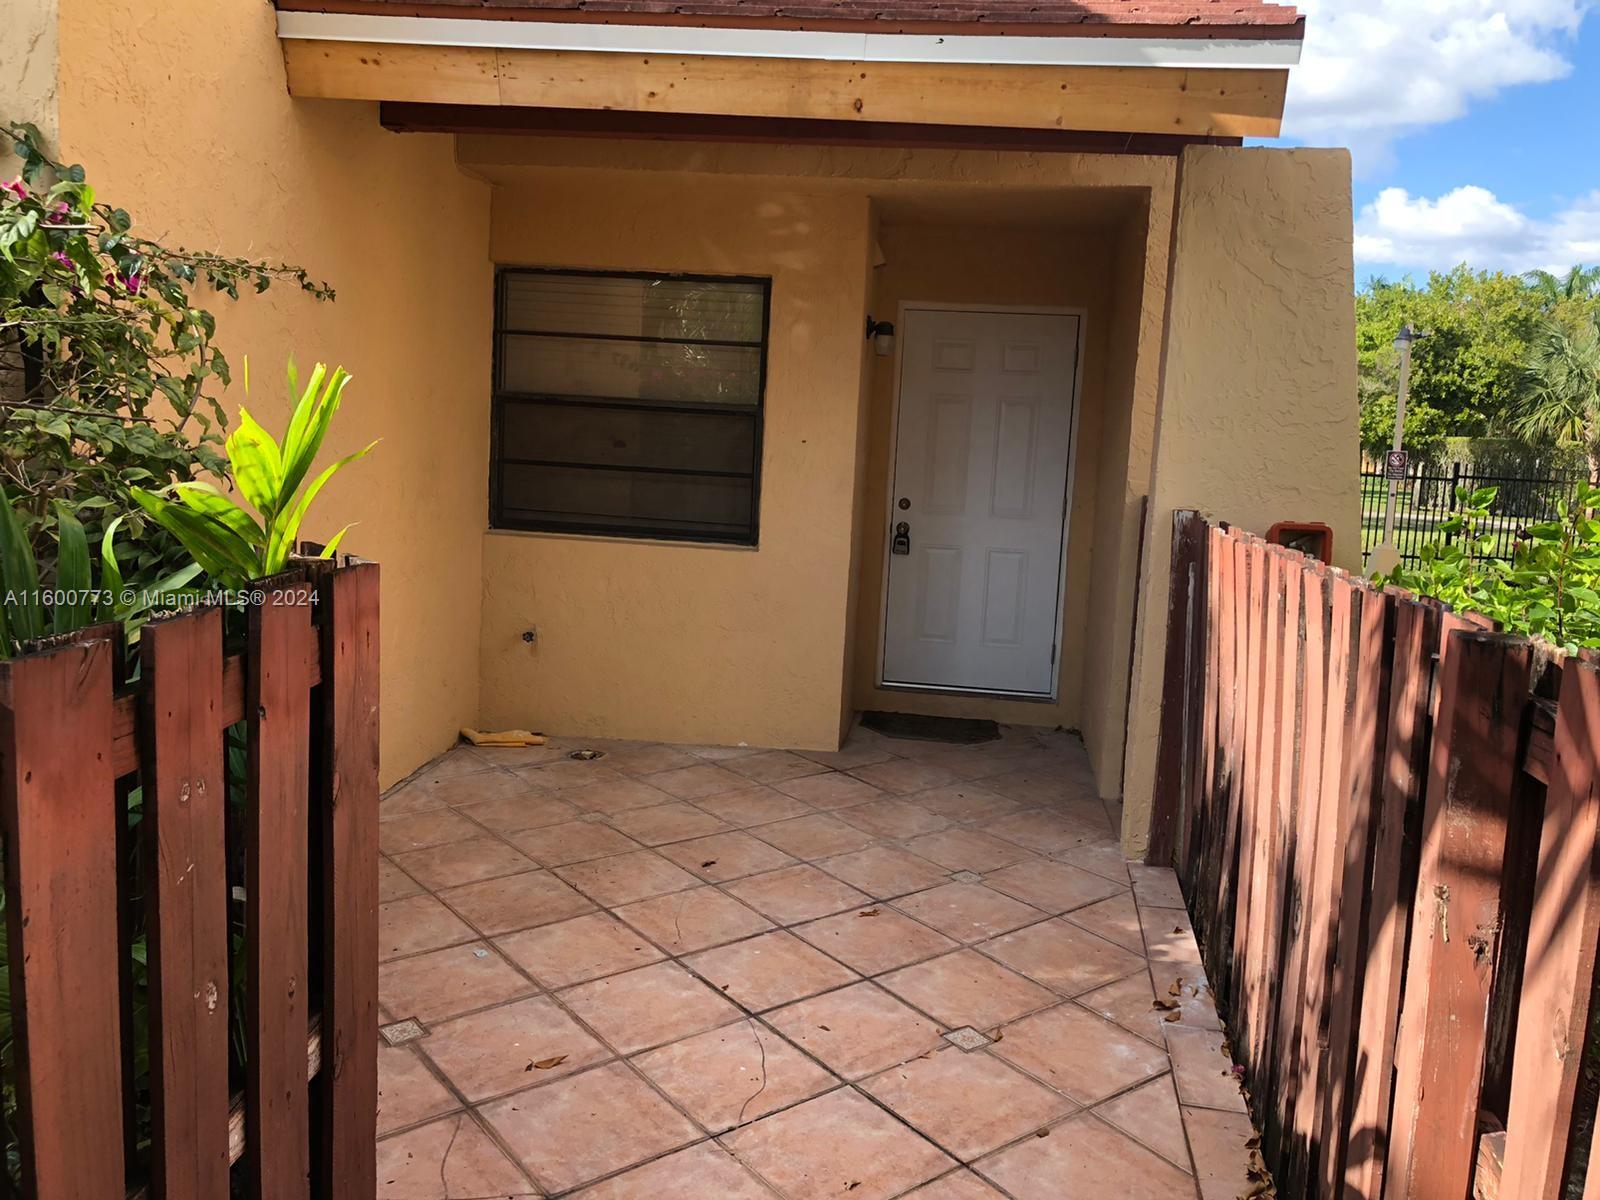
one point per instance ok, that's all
(1559, 979)
(58, 808)
(1456, 924)
(1177, 708)
(347, 823)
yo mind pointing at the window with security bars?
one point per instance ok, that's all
(628, 404)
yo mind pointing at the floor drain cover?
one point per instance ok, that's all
(967, 877)
(587, 755)
(402, 1032)
(967, 1038)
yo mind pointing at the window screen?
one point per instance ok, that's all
(628, 404)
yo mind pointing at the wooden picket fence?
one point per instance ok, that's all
(288, 876)
(1386, 819)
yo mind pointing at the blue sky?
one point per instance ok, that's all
(1474, 124)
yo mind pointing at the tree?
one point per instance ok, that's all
(1577, 283)
(1558, 396)
(1425, 429)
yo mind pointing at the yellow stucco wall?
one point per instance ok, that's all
(683, 642)
(180, 114)
(1257, 420)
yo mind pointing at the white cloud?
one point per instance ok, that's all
(1473, 225)
(1375, 70)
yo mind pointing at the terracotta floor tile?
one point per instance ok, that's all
(853, 753)
(676, 822)
(516, 902)
(796, 894)
(683, 922)
(721, 753)
(967, 1103)
(1128, 1002)
(456, 761)
(830, 791)
(408, 1093)
(404, 799)
(816, 836)
(1156, 886)
(499, 1050)
(1079, 1053)
(393, 883)
(571, 842)
(1063, 957)
(964, 802)
(835, 1145)
(733, 1075)
(620, 794)
(1221, 1155)
(648, 1007)
(516, 813)
(442, 983)
(1169, 943)
(965, 988)
(1149, 1114)
(753, 806)
(490, 784)
(901, 775)
(578, 950)
(571, 773)
(858, 1030)
(418, 923)
(703, 1172)
(1055, 887)
(1095, 1157)
(725, 856)
(1116, 919)
(968, 912)
(1049, 832)
(512, 758)
(958, 1185)
(967, 850)
(894, 819)
(463, 862)
(1203, 1073)
(765, 971)
(885, 871)
(1103, 857)
(452, 1159)
(1035, 785)
(420, 830)
(874, 940)
(623, 878)
(774, 766)
(577, 1129)
(699, 781)
(646, 760)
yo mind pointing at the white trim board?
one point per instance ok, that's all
(823, 45)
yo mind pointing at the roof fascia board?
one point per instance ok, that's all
(820, 45)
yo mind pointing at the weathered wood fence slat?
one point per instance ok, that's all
(132, 866)
(1386, 819)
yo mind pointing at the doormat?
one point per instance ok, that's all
(962, 730)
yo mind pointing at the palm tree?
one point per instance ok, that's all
(1559, 397)
(1578, 283)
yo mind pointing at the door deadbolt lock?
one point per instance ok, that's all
(902, 539)
(905, 503)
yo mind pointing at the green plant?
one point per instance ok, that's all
(29, 612)
(1549, 589)
(1558, 397)
(107, 358)
(224, 537)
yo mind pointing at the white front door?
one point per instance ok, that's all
(982, 449)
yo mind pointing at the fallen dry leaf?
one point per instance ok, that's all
(544, 1064)
(1172, 1016)
(867, 912)
(710, 862)
(1164, 1005)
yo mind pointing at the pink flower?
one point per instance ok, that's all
(16, 187)
(61, 258)
(133, 283)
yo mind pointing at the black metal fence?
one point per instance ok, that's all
(1427, 496)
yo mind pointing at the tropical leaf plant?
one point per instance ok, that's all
(31, 611)
(235, 544)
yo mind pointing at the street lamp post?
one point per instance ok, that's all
(1385, 557)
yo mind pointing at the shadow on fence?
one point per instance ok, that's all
(1386, 819)
(191, 901)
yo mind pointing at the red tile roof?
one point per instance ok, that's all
(1201, 18)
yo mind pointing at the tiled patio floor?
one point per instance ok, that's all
(905, 969)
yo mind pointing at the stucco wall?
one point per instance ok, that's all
(1014, 267)
(1257, 421)
(180, 114)
(28, 61)
(684, 642)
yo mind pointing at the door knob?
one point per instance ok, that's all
(902, 539)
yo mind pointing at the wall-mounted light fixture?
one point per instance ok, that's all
(881, 335)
